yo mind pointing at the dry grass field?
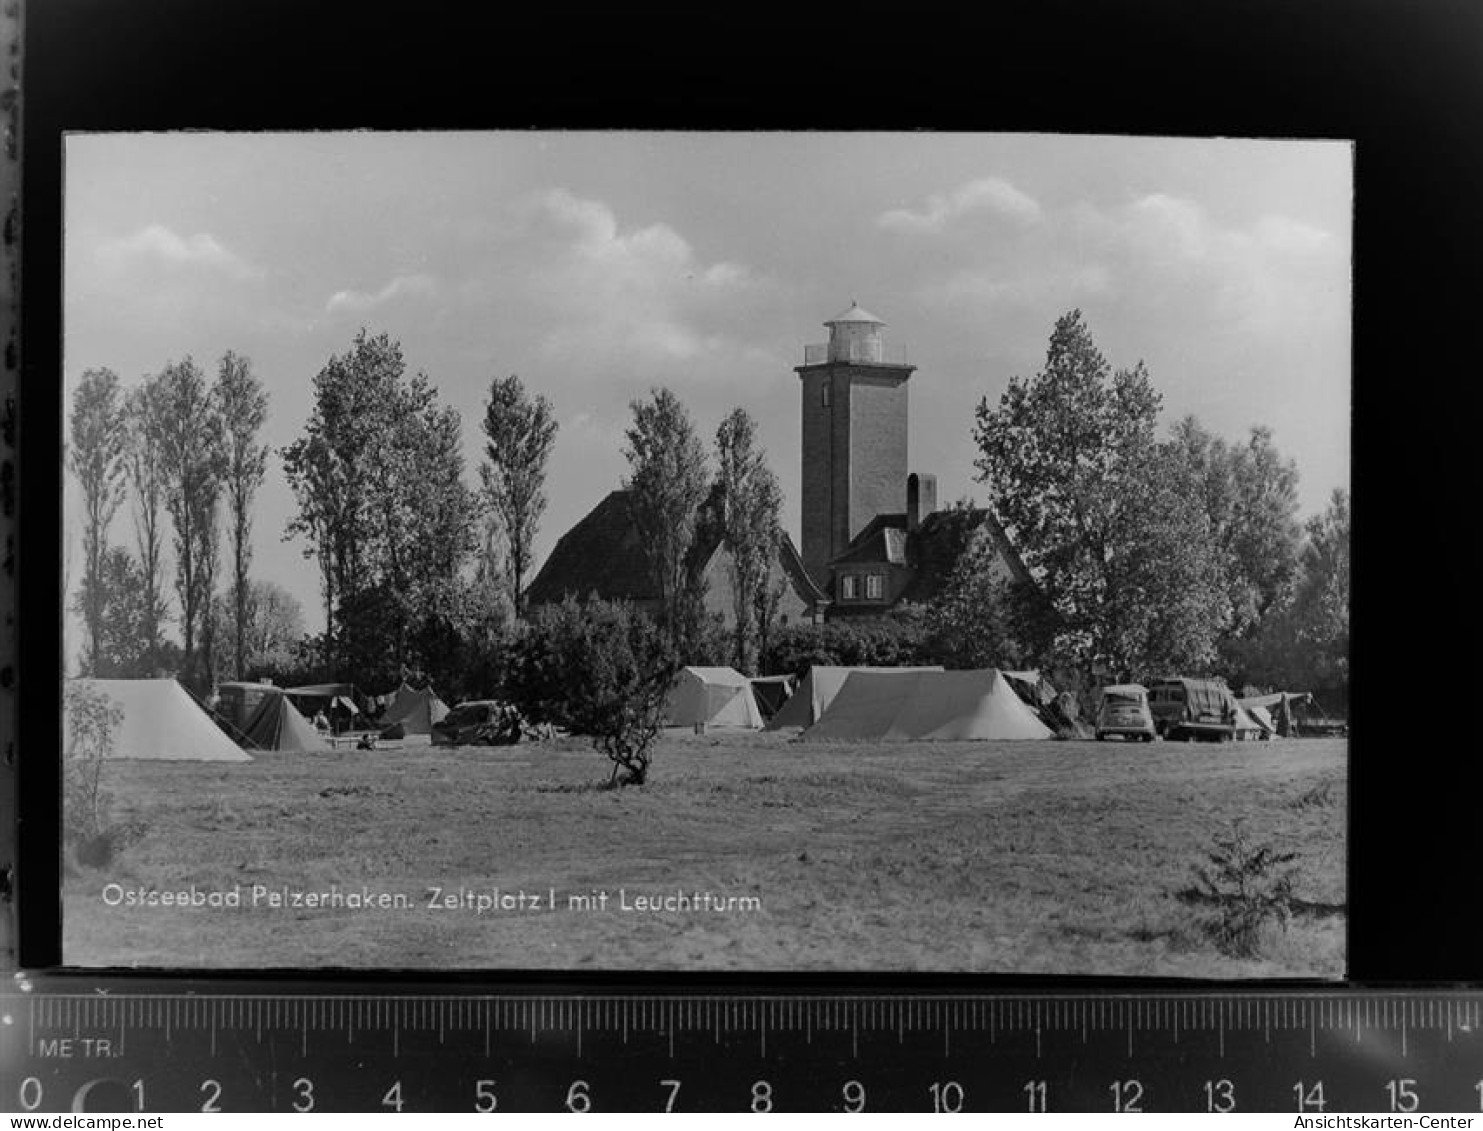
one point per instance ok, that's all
(1040, 857)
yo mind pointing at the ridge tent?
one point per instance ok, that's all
(160, 721)
(817, 691)
(928, 705)
(719, 697)
(277, 725)
(394, 700)
(1279, 706)
(771, 692)
(1249, 724)
(415, 711)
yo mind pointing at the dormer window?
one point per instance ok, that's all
(874, 587)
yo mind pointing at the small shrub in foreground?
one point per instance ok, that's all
(1248, 886)
(88, 830)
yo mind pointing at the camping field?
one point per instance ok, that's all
(1044, 857)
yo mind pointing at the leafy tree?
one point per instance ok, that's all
(597, 668)
(243, 405)
(193, 458)
(122, 649)
(667, 479)
(1094, 506)
(1250, 497)
(1167, 603)
(331, 468)
(145, 415)
(378, 477)
(274, 625)
(425, 515)
(750, 501)
(520, 431)
(1305, 644)
(96, 455)
(972, 622)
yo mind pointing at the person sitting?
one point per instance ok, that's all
(320, 722)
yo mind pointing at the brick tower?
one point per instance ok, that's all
(854, 435)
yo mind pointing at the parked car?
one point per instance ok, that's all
(477, 722)
(1124, 711)
(1193, 708)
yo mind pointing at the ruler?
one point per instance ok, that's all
(122, 1045)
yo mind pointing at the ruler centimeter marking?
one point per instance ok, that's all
(1149, 1025)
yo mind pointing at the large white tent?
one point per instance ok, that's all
(817, 691)
(713, 697)
(159, 720)
(928, 705)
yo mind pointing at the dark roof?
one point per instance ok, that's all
(603, 554)
(880, 541)
(600, 555)
(935, 547)
(792, 563)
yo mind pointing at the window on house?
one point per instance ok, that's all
(825, 390)
(874, 587)
(847, 587)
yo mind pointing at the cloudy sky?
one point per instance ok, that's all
(599, 265)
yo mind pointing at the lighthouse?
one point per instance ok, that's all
(854, 390)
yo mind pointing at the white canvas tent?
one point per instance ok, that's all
(928, 705)
(160, 720)
(817, 691)
(714, 697)
(1250, 725)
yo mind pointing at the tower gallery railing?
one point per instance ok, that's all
(866, 353)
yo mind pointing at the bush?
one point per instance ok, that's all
(597, 668)
(87, 829)
(890, 641)
(1248, 886)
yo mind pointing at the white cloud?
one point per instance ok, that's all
(157, 242)
(358, 301)
(989, 194)
(639, 295)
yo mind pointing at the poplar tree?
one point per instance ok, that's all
(520, 432)
(750, 500)
(97, 457)
(243, 405)
(667, 483)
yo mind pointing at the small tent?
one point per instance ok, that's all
(1249, 724)
(277, 725)
(928, 705)
(771, 692)
(817, 691)
(713, 697)
(393, 701)
(1279, 706)
(159, 720)
(415, 711)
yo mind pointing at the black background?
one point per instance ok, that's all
(1404, 81)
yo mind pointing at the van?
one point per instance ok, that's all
(1193, 708)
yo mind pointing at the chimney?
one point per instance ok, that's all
(921, 499)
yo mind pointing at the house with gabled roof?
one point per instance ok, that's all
(603, 556)
(873, 537)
